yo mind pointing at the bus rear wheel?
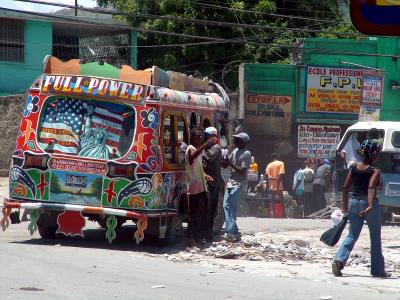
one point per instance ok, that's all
(47, 232)
(47, 224)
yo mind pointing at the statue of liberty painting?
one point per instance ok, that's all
(93, 140)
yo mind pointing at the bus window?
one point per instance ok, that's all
(86, 128)
(182, 139)
(223, 133)
(193, 121)
(175, 139)
(169, 139)
(206, 123)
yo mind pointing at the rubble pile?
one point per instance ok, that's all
(255, 247)
(275, 247)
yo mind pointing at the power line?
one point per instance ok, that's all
(57, 17)
(193, 21)
(259, 12)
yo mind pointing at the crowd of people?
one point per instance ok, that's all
(309, 186)
(204, 161)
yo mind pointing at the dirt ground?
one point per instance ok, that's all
(287, 248)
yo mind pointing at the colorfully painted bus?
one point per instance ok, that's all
(108, 144)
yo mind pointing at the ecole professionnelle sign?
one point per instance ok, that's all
(334, 90)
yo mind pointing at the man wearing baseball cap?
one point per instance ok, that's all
(236, 187)
(212, 157)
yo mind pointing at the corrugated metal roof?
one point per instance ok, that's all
(63, 16)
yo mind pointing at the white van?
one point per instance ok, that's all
(389, 160)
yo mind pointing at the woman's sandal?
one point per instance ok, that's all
(337, 267)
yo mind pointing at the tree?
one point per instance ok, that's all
(284, 21)
(96, 187)
(55, 186)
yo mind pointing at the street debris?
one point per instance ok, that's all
(31, 289)
(289, 250)
(158, 286)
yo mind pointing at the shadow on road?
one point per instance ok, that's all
(96, 238)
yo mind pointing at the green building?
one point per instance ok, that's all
(302, 110)
(28, 38)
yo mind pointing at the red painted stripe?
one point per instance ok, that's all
(112, 143)
(108, 118)
(58, 142)
(108, 128)
(12, 204)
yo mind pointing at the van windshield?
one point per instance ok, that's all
(86, 128)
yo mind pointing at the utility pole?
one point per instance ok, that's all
(76, 8)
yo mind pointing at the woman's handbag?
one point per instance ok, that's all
(332, 235)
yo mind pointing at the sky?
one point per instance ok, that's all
(43, 8)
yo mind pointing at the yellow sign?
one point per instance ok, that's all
(333, 101)
(333, 90)
(387, 2)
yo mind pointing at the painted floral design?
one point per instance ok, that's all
(150, 118)
(31, 105)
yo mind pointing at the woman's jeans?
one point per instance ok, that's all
(355, 225)
(231, 203)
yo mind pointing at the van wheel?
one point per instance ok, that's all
(219, 216)
(47, 232)
(386, 217)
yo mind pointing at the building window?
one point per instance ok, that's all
(11, 40)
(91, 44)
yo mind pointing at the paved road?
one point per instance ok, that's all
(92, 269)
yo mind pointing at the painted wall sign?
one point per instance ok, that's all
(77, 166)
(333, 90)
(371, 97)
(268, 114)
(317, 141)
(376, 17)
(95, 87)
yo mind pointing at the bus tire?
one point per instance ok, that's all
(47, 232)
(47, 224)
(386, 217)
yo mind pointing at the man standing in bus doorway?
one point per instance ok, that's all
(212, 157)
(274, 172)
(196, 187)
(236, 187)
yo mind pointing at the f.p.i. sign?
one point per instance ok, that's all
(376, 17)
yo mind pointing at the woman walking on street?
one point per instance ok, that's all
(362, 206)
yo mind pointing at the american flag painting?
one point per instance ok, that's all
(110, 122)
(61, 126)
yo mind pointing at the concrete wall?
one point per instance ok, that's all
(271, 80)
(11, 108)
(17, 77)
